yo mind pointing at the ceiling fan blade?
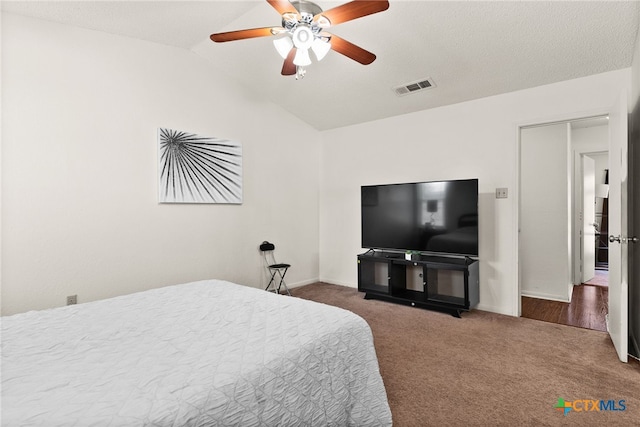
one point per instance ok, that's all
(352, 51)
(353, 10)
(245, 34)
(283, 6)
(289, 68)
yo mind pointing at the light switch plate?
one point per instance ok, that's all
(502, 193)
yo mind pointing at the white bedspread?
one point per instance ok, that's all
(207, 353)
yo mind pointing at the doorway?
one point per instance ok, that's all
(563, 222)
(593, 260)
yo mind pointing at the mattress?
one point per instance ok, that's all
(208, 353)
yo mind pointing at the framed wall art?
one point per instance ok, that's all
(198, 169)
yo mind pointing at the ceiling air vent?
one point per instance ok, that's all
(414, 87)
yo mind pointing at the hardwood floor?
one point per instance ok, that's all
(600, 279)
(588, 308)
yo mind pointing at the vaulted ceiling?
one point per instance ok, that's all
(468, 49)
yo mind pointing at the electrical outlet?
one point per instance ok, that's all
(501, 193)
(72, 299)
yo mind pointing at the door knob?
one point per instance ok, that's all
(620, 239)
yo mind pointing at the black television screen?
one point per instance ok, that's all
(429, 217)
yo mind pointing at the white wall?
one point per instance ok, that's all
(544, 212)
(79, 170)
(594, 139)
(475, 139)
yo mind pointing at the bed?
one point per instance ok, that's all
(208, 353)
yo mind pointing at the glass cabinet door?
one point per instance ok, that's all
(373, 275)
(446, 286)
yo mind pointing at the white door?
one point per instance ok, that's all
(588, 218)
(617, 320)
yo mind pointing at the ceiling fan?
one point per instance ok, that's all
(303, 29)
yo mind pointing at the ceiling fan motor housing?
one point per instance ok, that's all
(302, 28)
(307, 8)
(306, 12)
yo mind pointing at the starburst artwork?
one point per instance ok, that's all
(198, 169)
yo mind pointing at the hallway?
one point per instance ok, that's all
(588, 308)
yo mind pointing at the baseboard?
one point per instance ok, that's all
(302, 283)
(339, 283)
(492, 309)
(549, 297)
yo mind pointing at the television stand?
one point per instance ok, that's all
(448, 284)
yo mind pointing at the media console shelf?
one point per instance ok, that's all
(449, 284)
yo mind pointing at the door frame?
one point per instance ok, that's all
(544, 121)
(587, 233)
(578, 198)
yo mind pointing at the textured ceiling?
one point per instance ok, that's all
(469, 50)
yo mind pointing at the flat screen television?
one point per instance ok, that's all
(439, 217)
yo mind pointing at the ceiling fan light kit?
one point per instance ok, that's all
(320, 48)
(303, 29)
(302, 58)
(302, 37)
(283, 46)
